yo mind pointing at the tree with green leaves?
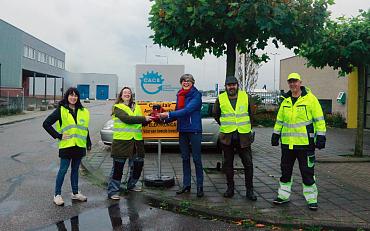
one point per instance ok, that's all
(221, 26)
(344, 44)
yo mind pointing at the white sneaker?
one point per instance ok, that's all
(79, 197)
(136, 189)
(58, 200)
(115, 197)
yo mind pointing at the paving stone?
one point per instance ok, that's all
(344, 188)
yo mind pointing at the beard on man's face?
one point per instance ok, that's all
(232, 91)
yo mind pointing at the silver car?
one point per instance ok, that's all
(209, 135)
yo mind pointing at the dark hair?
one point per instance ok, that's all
(64, 102)
(119, 98)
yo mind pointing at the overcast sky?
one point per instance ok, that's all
(110, 36)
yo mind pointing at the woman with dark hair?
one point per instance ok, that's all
(189, 125)
(127, 142)
(72, 122)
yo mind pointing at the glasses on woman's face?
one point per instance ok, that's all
(186, 81)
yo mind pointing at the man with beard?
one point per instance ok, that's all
(232, 112)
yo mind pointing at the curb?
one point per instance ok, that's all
(20, 120)
(340, 159)
(268, 220)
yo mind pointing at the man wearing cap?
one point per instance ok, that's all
(232, 113)
(300, 127)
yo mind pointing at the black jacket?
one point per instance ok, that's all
(65, 153)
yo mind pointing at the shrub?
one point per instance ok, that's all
(264, 118)
(335, 120)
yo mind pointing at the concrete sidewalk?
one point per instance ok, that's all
(343, 183)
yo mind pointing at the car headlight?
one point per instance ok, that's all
(108, 125)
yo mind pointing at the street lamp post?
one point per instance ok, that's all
(163, 56)
(274, 54)
(146, 51)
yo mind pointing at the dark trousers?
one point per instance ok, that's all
(306, 160)
(245, 155)
(190, 142)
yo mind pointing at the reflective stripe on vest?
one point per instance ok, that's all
(124, 131)
(292, 120)
(77, 132)
(238, 119)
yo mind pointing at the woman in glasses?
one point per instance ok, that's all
(189, 125)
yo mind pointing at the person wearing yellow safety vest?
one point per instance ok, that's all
(72, 122)
(300, 127)
(127, 142)
(232, 112)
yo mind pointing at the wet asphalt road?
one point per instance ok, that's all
(28, 166)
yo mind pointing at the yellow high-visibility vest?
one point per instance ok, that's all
(292, 120)
(238, 119)
(77, 132)
(124, 131)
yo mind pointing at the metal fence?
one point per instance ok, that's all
(11, 101)
(266, 98)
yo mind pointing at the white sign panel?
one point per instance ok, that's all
(158, 82)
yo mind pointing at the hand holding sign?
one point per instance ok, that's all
(163, 115)
(155, 114)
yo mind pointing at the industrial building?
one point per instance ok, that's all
(23, 58)
(35, 70)
(93, 85)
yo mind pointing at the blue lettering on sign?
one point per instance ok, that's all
(151, 78)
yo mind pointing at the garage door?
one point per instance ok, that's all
(102, 92)
(84, 90)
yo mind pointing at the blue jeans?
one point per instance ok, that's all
(115, 176)
(64, 164)
(193, 140)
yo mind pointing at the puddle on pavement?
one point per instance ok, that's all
(117, 217)
(132, 214)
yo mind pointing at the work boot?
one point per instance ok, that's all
(250, 195)
(200, 192)
(229, 191)
(313, 206)
(182, 190)
(279, 201)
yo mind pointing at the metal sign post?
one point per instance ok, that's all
(158, 131)
(159, 180)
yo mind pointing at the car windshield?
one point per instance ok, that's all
(206, 110)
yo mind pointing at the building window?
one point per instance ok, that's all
(51, 60)
(60, 64)
(25, 51)
(29, 52)
(41, 57)
(326, 105)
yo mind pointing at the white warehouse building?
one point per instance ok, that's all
(93, 85)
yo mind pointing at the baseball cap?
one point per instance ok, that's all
(294, 76)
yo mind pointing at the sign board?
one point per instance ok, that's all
(158, 82)
(155, 130)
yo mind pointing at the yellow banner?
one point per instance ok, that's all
(159, 130)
